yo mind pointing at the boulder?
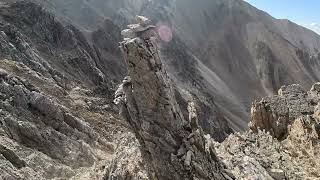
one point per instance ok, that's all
(143, 21)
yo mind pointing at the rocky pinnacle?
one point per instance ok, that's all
(173, 146)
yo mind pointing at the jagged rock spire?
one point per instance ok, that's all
(135, 30)
(174, 146)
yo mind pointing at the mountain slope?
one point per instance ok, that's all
(251, 52)
(225, 50)
(57, 119)
(60, 69)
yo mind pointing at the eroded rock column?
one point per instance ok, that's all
(173, 145)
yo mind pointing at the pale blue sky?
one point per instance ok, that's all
(303, 12)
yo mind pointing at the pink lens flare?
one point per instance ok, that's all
(164, 32)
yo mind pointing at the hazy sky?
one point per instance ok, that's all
(303, 12)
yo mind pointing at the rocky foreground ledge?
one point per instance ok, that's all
(282, 143)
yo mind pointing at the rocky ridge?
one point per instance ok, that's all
(283, 142)
(58, 121)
